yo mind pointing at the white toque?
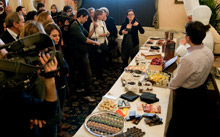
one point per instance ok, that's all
(190, 5)
(202, 13)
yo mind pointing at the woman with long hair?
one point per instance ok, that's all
(61, 79)
(130, 42)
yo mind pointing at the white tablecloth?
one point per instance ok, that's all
(165, 100)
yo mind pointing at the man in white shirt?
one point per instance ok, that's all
(193, 114)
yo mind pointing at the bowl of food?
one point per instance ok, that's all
(107, 105)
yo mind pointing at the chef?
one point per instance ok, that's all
(189, 5)
(203, 14)
(216, 38)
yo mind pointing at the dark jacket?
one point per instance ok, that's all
(54, 16)
(134, 32)
(78, 39)
(110, 24)
(6, 37)
(2, 20)
(61, 80)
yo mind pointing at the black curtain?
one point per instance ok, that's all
(144, 9)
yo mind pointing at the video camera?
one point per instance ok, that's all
(62, 17)
(19, 67)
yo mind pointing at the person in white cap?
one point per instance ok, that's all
(216, 38)
(189, 5)
(203, 14)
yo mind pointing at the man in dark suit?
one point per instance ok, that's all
(8, 9)
(14, 23)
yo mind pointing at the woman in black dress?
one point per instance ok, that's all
(130, 42)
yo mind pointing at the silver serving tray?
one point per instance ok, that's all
(109, 119)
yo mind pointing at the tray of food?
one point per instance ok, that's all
(105, 124)
(160, 42)
(136, 69)
(158, 78)
(150, 42)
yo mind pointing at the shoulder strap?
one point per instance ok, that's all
(103, 26)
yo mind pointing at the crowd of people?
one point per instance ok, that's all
(83, 40)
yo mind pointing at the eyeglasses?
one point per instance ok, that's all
(130, 14)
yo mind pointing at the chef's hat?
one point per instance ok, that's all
(202, 13)
(190, 5)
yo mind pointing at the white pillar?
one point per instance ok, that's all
(28, 4)
(61, 5)
(14, 4)
(48, 4)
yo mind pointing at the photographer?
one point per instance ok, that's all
(64, 21)
(18, 107)
(19, 101)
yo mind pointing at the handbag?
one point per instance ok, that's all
(103, 47)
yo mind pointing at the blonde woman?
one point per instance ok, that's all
(43, 16)
(99, 32)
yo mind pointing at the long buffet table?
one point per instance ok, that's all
(156, 131)
(165, 101)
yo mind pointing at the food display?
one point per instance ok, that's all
(105, 124)
(132, 132)
(157, 78)
(152, 119)
(146, 86)
(156, 61)
(156, 64)
(154, 50)
(154, 47)
(147, 45)
(133, 88)
(160, 42)
(137, 69)
(151, 108)
(140, 60)
(150, 55)
(155, 38)
(107, 105)
(150, 41)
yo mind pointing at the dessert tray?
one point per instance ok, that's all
(105, 124)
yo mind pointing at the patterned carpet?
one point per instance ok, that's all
(77, 109)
